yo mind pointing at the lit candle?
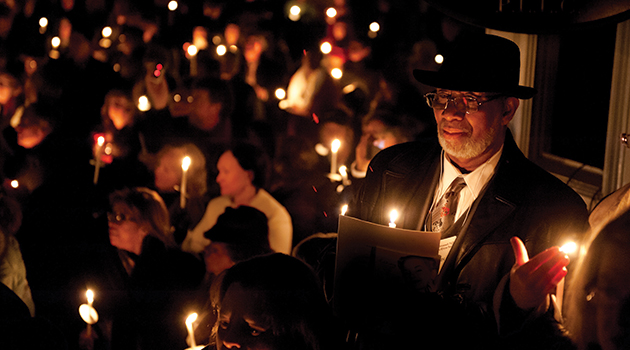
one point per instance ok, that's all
(344, 209)
(567, 248)
(334, 148)
(393, 216)
(192, 53)
(97, 162)
(343, 170)
(189, 325)
(88, 313)
(182, 192)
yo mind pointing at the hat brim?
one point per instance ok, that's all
(450, 82)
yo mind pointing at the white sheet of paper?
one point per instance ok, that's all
(445, 247)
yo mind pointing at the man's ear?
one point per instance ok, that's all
(250, 175)
(509, 109)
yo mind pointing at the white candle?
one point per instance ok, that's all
(343, 170)
(189, 325)
(334, 148)
(182, 192)
(192, 52)
(88, 313)
(97, 162)
(393, 216)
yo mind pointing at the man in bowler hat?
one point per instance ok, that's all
(504, 206)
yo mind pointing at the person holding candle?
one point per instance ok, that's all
(168, 178)
(501, 194)
(144, 282)
(242, 177)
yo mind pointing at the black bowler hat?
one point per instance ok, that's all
(486, 63)
(244, 229)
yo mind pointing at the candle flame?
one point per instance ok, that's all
(90, 296)
(343, 170)
(192, 50)
(100, 141)
(344, 209)
(393, 216)
(15, 184)
(191, 318)
(55, 42)
(569, 248)
(186, 163)
(334, 147)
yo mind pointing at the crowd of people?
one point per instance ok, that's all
(143, 163)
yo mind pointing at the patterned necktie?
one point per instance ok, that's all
(443, 215)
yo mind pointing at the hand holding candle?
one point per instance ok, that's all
(182, 192)
(531, 280)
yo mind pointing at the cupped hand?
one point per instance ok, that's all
(531, 280)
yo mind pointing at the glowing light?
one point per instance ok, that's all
(344, 209)
(88, 314)
(295, 13)
(233, 48)
(55, 42)
(295, 10)
(107, 32)
(336, 73)
(334, 146)
(15, 184)
(190, 99)
(186, 163)
(100, 141)
(321, 150)
(439, 59)
(331, 12)
(375, 27)
(393, 216)
(348, 88)
(172, 5)
(192, 50)
(569, 248)
(116, 67)
(43, 22)
(90, 296)
(280, 94)
(105, 43)
(221, 50)
(343, 170)
(143, 103)
(189, 325)
(216, 39)
(177, 97)
(325, 47)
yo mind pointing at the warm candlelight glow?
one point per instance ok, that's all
(88, 314)
(143, 103)
(325, 47)
(15, 184)
(439, 59)
(280, 94)
(90, 296)
(192, 50)
(331, 12)
(295, 13)
(100, 141)
(344, 209)
(43, 22)
(569, 248)
(336, 73)
(107, 32)
(186, 163)
(334, 146)
(375, 27)
(221, 50)
(55, 42)
(189, 325)
(393, 216)
(343, 170)
(172, 5)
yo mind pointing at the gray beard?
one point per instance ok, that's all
(469, 148)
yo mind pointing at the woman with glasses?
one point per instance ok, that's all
(144, 282)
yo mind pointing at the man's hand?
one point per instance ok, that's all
(532, 280)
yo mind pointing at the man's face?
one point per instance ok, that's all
(205, 113)
(472, 138)
(217, 258)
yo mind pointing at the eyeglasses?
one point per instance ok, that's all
(440, 100)
(117, 218)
